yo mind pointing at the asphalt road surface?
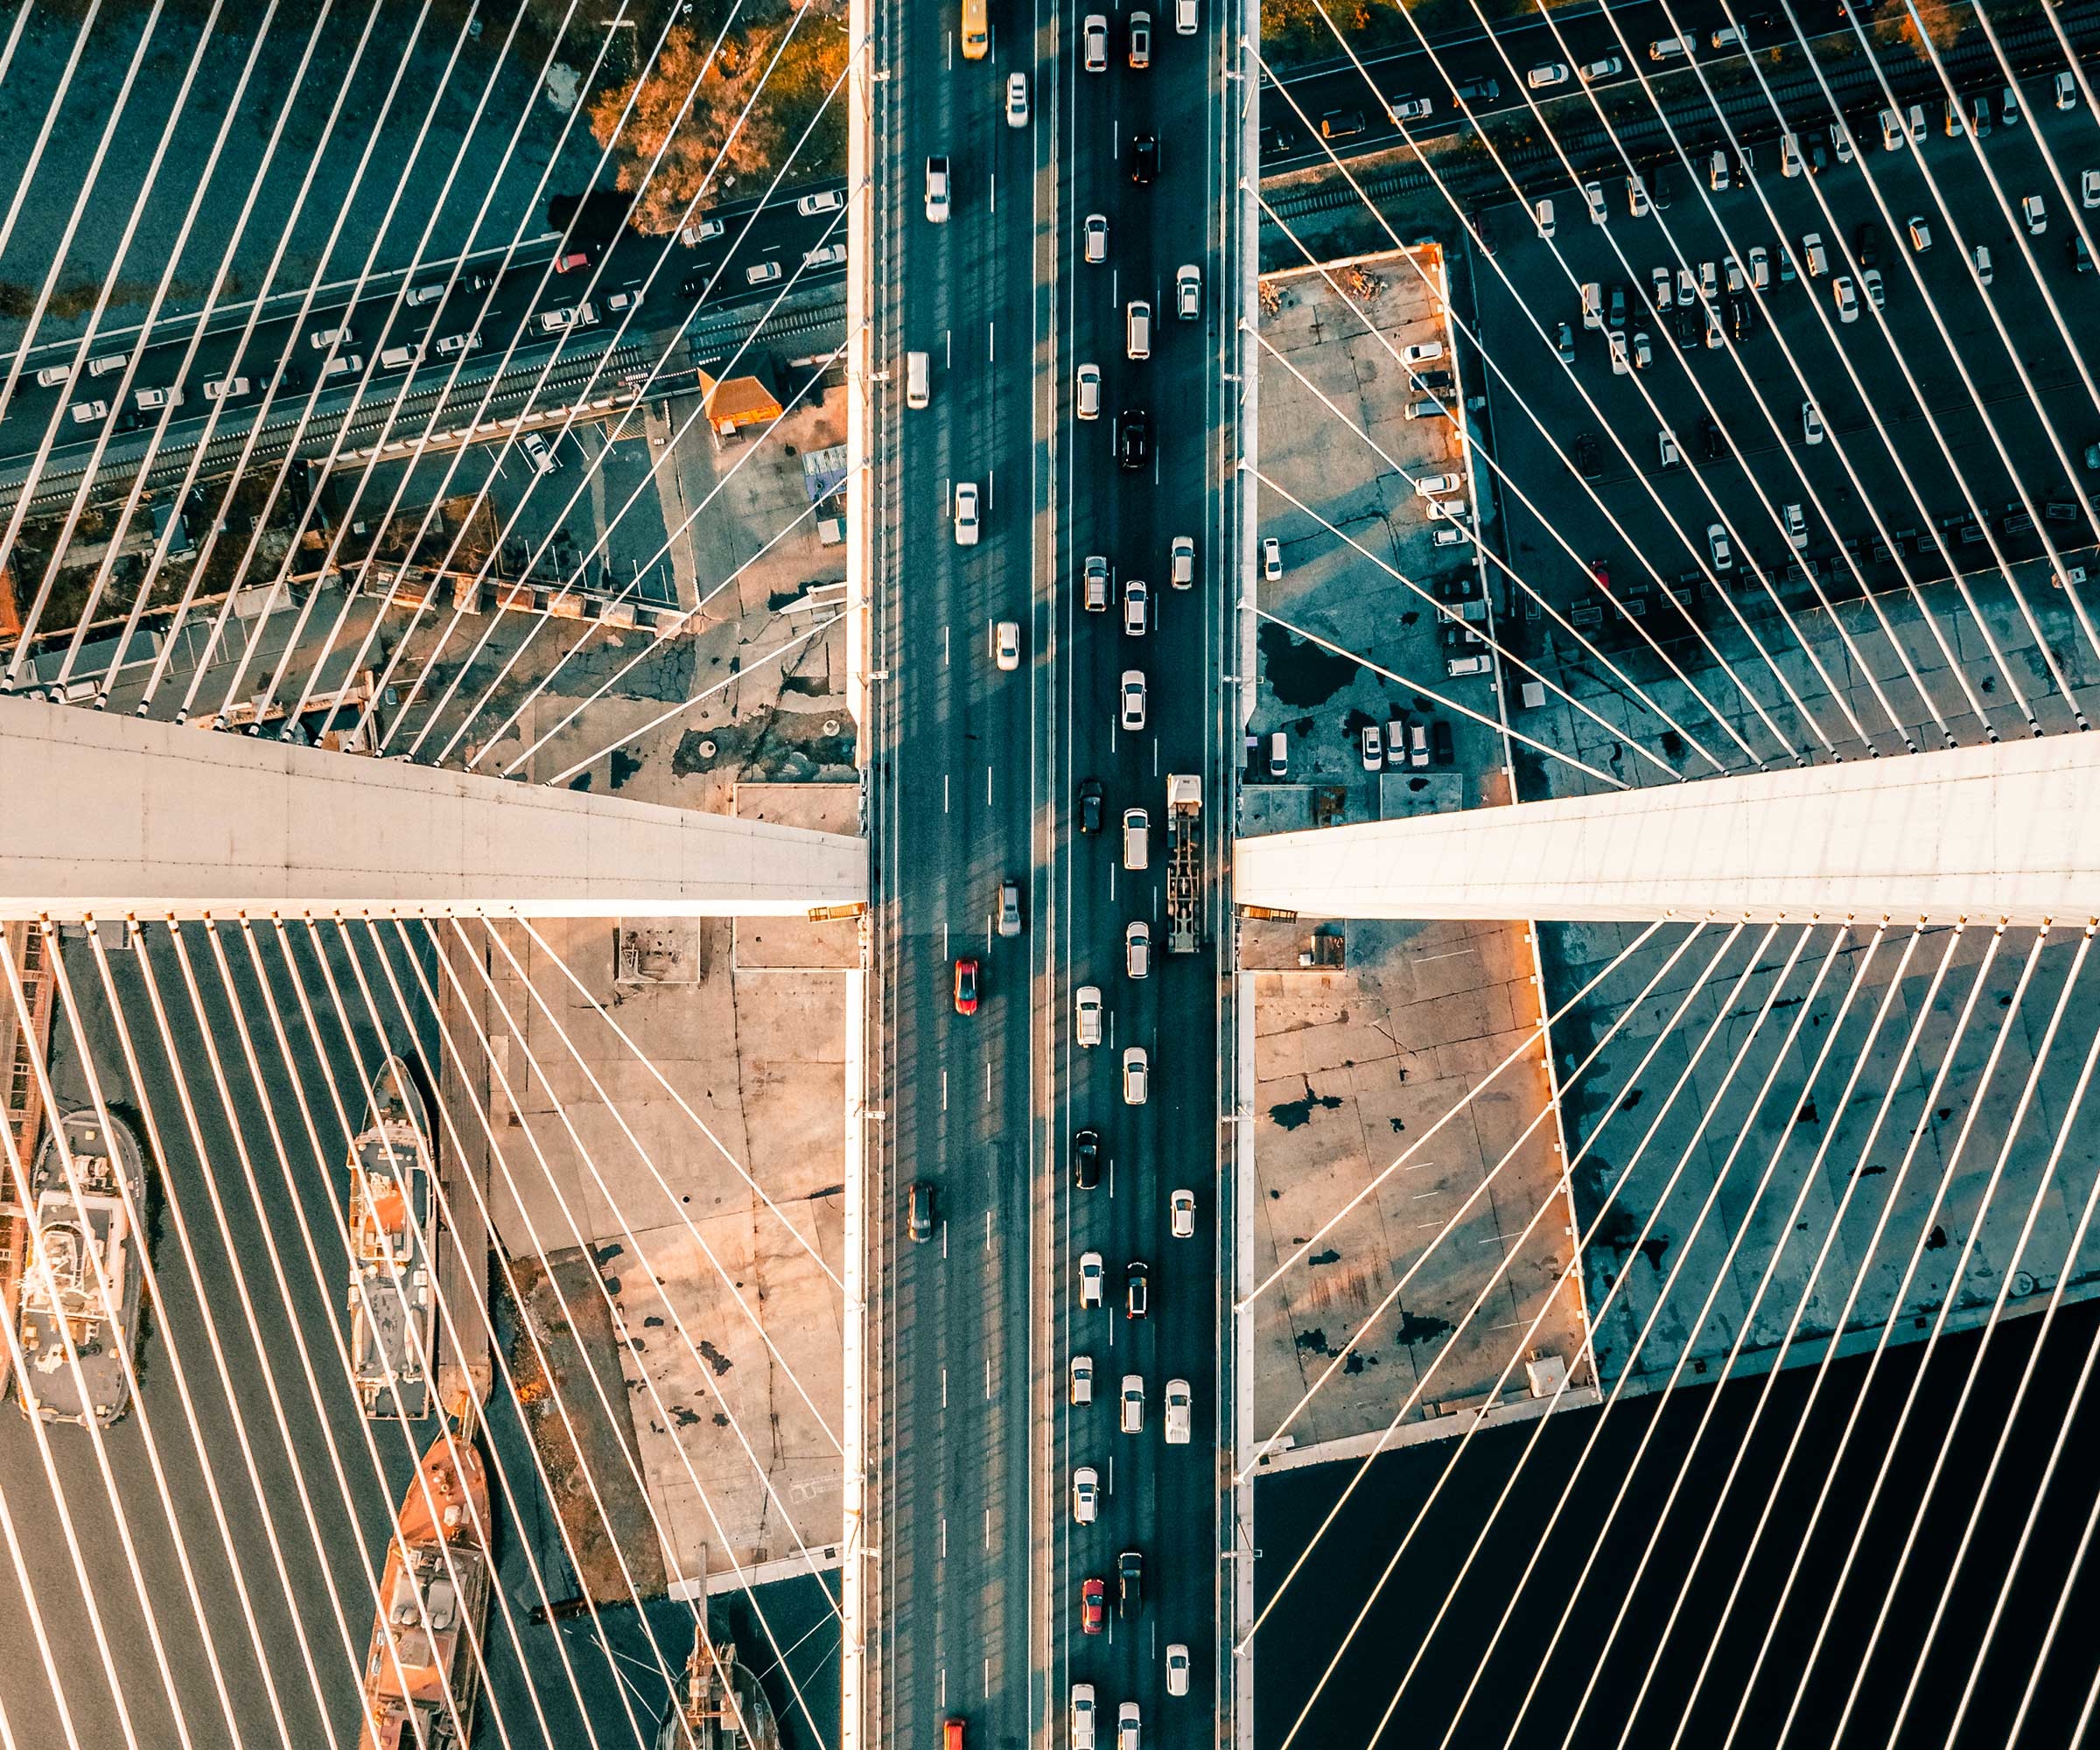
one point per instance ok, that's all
(982, 1563)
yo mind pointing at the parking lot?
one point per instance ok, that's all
(1853, 530)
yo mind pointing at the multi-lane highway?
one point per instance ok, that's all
(982, 1563)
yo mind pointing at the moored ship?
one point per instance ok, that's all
(75, 1223)
(423, 1676)
(393, 1228)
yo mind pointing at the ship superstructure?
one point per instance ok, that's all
(85, 1260)
(393, 1232)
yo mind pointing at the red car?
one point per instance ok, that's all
(575, 258)
(966, 987)
(1093, 1605)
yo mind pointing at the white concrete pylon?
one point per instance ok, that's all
(110, 815)
(2005, 831)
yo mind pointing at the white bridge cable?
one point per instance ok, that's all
(40, 1428)
(54, 957)
(1720, 1278)
(448, 1316)
(340, 341)
(1736, 254)
(1563, 1189)
(591, 474)
(1777, 1610)
(476, 754)
(523, 332)
(707, 1373)
(159, 1153)
(1892, 1082)
(526, 1328)
(1812, 1175)
(1553, 443)
(2027, 1378)
(1423, 688)
(1364, 1465)
(1703, 563)
(1723, 1015)
(1512, 488)
(106, 291)
(656, 371)
(230, 1114)
(476, 1635)
(2020, 364)
(1533, 1037)
(505, 1263)
(649, 1063)
(561, 1111)
(1932, 422)
(401, 387)
(230, 110)
(1451, 1226)
(1894, 1437)
(1446, 612)
(354, 1661)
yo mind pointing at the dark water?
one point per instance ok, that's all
(1295, 1646)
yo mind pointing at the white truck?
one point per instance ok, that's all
(1184, 862)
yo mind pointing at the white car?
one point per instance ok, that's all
(1921, 235)
(762, 273)
(1184, 18)
(1592, 192)
(1760, 267)
(1666, 442)
(150, 399)
(1609, 66)
(1717, 541)
(936, 191)
(1188, 292)
(584, 315)
(1811, 423)
(1137, 606)
(458, 343)
(1892, 131)
(1087, 393)
(1136, 1075)
(1006, 645)
(1643, 355)
(225, 388)
(1622, 360)
(2067, 91)
(701, 231)
(966, 514)
(825, 255)
(86, 412)
(1181, 1214)
(1403, 110)
(1082, 1379)
(1272, 560)
(1545, 76)
(1430, 485)
(1848, 299)
(1126, 1726)
(1181, 560)
(1421, 353)
(1132, 691)
(539, 454)
(1542, 216)
(1445, 536)
(1086, 1495)
(2034, 214)
(1177, 1412)
(1094, 42)
(1017, 100)
(1663, 284)
(1797, 528)
(1137, 949)
(1082, 1717)
(50, 376)
(825, 201)
(1374, 748)
(1637, 201)
(2089, 188)
(1086, 1012)
(1177, 1662)
(1130, 1404)
(1095, 231)
(1091, 1274)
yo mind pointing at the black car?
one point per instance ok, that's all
(1439, 742)
(1136, 1289)
(1865, 251)
(1089, 806)
(1478, 91)
(1690, 330)
(1617, 318)
(1742, 317)
(1133, 437)
(694, 284)
(1589, 460)
(1455, 589)
(1143, 158)
(1711, 436)
(922, 1210)
(1276, 141)
(2077, 254)
(1129, 1583)
(1086, 1157)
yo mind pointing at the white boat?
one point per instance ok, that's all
(393, 1234)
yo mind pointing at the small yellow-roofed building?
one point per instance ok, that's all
(735, 402)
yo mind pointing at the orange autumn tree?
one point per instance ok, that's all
(685, 107)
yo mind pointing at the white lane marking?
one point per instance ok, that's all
(944, 939)
(987, 1386)
(988, 1231)
(944, 646)
(988, 1082)
(987, 786)
(1155, 756)
(991, 341)
(948, 340)
(988, 1527)
(944, 1377)
(944, 1536)
(951, 50)
(1114, 282)
(1111, 1473)
(988, 1677)
(941, 1700)
(994, 191)
(1111, 881)
(944, 1240)
(944, 808)
(944, 1090)
(991, 482)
